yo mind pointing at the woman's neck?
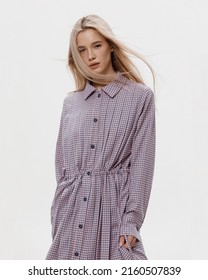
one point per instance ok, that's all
(98, 86)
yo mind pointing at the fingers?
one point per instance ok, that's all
(121, 240)
(132, 240)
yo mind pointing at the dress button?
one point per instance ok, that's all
(85, 199)
(88, 173)
(92, 146)
(99, 95)
(76, 254)
(95, 119)
(80, 226)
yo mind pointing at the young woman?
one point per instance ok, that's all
(105, 151)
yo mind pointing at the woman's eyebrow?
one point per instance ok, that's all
(96, 42)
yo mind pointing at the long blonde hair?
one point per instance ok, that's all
(120, 55)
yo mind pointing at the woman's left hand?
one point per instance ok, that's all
(131, 239)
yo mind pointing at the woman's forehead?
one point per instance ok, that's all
(89, 36)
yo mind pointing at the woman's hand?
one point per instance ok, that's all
(131, 239)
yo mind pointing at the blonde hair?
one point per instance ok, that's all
(120, 60)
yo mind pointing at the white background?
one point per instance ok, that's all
(34, 80)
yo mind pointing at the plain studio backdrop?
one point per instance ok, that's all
(34, 81)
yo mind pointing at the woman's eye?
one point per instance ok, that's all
(97, 46)
(82, 50)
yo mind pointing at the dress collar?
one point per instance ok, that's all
(111, 89)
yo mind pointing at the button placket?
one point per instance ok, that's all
(87, 179)
(80, 223)
(94, 137)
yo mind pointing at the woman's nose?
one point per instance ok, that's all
(91, 55)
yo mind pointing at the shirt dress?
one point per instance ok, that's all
(104, 162)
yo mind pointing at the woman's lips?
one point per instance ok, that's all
(94, 65)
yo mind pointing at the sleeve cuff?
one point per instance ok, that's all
(128, 229)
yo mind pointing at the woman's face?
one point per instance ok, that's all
(95, 51)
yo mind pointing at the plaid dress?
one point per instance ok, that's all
(104, 162)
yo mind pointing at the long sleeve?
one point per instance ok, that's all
(141, 169)
(59, 159)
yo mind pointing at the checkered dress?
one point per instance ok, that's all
(104, 161)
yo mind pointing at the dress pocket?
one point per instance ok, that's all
(133, 253)
(126, 254)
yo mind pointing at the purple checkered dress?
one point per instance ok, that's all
(105, 156)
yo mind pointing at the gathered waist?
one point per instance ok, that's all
(121, 168)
